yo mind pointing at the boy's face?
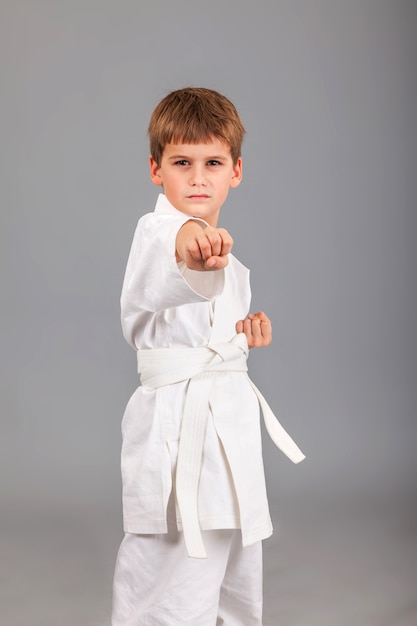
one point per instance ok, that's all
(197, 177)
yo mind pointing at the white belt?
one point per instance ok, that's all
(165, 366)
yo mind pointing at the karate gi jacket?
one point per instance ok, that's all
(166, 305)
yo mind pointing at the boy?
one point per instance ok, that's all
(194, 499)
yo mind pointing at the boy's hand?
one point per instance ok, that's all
(203, 248)
(257, 328)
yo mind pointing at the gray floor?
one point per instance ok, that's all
(346, 563)
(349, 563)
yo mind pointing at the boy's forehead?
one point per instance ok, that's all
(210, 146)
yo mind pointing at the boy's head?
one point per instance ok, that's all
(195, 115)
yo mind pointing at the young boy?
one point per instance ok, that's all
(194, 500)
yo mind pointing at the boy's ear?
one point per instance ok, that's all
(237, 173)
(156, 177)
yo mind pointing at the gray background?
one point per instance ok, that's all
(326, 220)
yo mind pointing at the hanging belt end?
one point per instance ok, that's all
(195, 546)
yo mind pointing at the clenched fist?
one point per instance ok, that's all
(257, 328)
(202, 248)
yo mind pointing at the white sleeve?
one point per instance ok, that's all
(154, 281)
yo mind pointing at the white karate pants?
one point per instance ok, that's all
(157, 584)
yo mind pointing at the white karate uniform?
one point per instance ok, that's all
(167, 305)
(157, 584)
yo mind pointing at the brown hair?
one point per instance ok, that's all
(194, 115)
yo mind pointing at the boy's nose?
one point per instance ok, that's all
(197, 177)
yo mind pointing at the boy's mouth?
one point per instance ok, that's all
(198, 196)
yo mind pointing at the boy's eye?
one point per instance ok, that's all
(182, 162)
(213, 162)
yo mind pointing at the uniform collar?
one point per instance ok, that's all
(163, 206)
